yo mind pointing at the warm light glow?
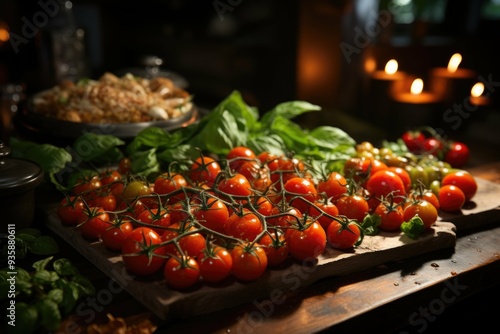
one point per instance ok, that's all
(477, 89)
(391, 67)
(370, 65)
(455, 60)
(4, 32)
(417, 86)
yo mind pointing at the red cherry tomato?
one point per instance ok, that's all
(451, 198)
(457, 154)
(141, 253)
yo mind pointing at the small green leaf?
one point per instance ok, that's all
(26, 238)
(413, 228)
(42, 278)
(70, 297)
(64, 267)
(56, 295)
(31, 231)
(84, 285)
(44, 245)
(48, 311)
(26, 319)
(90, 146)
(370, 224)
(41, 264)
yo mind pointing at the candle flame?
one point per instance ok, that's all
(417, 86)
(455, 60)
(391, 67)
(477, 89)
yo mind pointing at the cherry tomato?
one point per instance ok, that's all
(299, 188)
(258, 176)
(433, 146)
(306, 243)
(108, 177)
(212, 214)
(245, 226)
(276, 249)
(168, 183)
(427, 195)
(141, 253)
(236, 185)
(134, 190)
(93, 222)
(124, 165)
(156, 217)
(86, 185)
(414, 141)
(334, 186)
(204, 170)
(249, 261)
(451, 198)
(463, 180)
(215, 264)
(384, 183)
(457, 154)
(189, 240)
(114, 235)
(391, 216)
(425, 210)
(105, 200)
(283, 217)
(344, 235)
(403, 175)
(70, 209)
(181, 273)
(239, 155)
(353, 206)
(282, 169)
(322, 212)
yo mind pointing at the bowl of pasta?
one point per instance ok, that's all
(117, 105)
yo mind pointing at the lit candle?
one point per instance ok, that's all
(417, 95)
(382, 84)
(390, 72)
(476, 95)
(452, 83)
(416, 107)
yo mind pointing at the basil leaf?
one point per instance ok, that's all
(152, 137)
(43, 245)
(70, 297)
(51, 159)
(179, 154)
(56, 295)
(41, 264)
(413, 228)
(64, 267)
(144, 162)
(26, 318)
(31, 231)
(84, 285)
(90, 146)
(288, 110)
(49, 314)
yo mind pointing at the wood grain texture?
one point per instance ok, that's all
(169, 304)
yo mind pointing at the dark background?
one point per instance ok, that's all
(275, 51)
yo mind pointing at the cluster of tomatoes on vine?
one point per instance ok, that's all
(216, 220)
(234, 217)
(427, 141)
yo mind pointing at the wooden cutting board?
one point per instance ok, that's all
(169, 304)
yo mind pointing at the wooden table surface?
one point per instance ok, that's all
(442, 290)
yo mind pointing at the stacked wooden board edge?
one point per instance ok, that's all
(168, 304)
